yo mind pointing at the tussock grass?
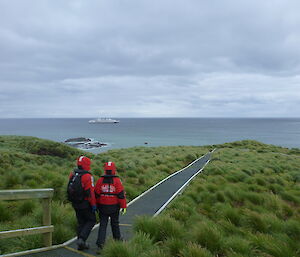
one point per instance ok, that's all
(5, 214)
(141, 245)
(119, 249)
(194, 250)
(254, 221)
(292, 228)
(271, 245)
(159, 229)
(237, 245)
(208, 235)
(26, 207)
(174, 246)
(183, 212)
(232, 214)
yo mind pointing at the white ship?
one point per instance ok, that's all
(103, 120)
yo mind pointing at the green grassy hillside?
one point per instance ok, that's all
(28, 162)
(246, 203)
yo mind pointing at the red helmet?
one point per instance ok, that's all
(84, 162)
(110, 166)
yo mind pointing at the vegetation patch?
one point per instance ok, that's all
(28, 162)
(245, 203)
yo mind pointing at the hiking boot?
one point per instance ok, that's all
(86, 245)
(99, 249)
(82, 245)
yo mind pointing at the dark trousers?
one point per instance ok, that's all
(86, 220)
(104, 214)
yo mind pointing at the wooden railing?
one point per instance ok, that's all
(46, 196)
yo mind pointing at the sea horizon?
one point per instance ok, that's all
(160, 131)
(158, 117)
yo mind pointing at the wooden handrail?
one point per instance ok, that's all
(22, 194)
(46, 195)
(26, 232)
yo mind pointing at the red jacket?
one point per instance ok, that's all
(110, 191)
(87, 182)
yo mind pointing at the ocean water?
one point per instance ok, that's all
(160, 131)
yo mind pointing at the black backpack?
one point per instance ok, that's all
(75, 191)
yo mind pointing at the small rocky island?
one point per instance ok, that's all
(84, 143)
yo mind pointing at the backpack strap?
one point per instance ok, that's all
(81, 172)
(108, 179)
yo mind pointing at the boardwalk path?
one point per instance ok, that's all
(151, 203)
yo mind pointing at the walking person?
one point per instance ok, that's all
(81, 194)
(110, 198)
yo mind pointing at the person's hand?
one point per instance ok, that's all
(123, 211)
(94, 208)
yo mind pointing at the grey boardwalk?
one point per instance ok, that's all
(149, 204)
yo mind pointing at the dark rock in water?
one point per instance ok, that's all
(77, 144)
(78, 139)
(96, 144)
(83, 143)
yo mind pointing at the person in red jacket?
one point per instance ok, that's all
(81, 194)
(110, 198)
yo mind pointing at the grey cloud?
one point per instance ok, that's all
(162, 58)
(213, 95)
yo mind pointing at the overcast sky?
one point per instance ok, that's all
(138, 58)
